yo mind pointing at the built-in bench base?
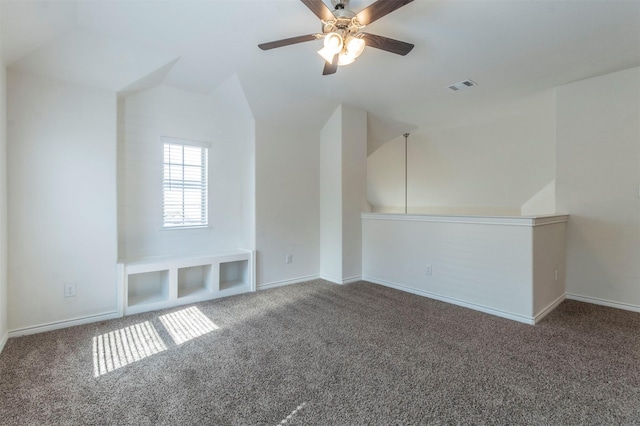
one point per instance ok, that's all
(161, 282)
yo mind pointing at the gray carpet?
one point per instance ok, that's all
(322, 354)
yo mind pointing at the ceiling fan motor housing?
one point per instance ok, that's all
(340, 4)
(344, 22)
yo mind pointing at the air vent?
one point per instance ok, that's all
(465, 84)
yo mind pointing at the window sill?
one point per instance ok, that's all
(180, 228)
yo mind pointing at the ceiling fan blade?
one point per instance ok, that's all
(319, 8)
(384, 43)
(379, 9)
(331, 68)
(288, 41)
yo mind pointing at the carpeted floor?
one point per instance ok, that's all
(322, 354)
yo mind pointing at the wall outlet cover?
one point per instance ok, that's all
(70, 290)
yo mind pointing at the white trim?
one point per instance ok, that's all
(527, 221)
(475, 307)
(604, 302)
(3, 341)
(181, 257)
(546, 311)
(186, 228)
(181, 141)
(550, 220)
(341, 281)
(298, 280)
(330, 279)
(63, 324)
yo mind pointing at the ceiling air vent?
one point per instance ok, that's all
(464, 84)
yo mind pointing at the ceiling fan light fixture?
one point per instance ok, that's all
(333, 43)
(343, 40)
(326, 55)
(354, 46)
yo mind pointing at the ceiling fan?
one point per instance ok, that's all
(342, 32)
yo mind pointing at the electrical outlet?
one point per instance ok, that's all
(70, 290)
(428, 270)
(288, 259)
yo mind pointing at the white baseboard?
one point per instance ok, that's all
(3, 341)
(546, 311)
(341, 281)
(604, 302)
(453, 301)
(287, 282)
(63, 324)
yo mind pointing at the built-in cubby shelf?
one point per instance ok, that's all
(161, 282)
(148, 287)
(233, 274)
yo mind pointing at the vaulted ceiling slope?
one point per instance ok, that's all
(511, 48)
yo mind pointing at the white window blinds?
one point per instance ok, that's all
(184, 185)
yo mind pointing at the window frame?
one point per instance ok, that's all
(203, 183)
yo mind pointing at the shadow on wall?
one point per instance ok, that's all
(601, 253)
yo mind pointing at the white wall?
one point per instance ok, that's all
(597, 183)
(165, 111)
(504, 266)
(62, 200)
(489, 163)
(544, 202)
(287, 203)
(4, 316)
(354, 189)
(343, 153)
(331, 198)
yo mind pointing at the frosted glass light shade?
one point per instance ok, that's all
(345, 59)
(326, 55)
(355, 46)
(333, 43)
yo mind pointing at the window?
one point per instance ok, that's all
(184, 185)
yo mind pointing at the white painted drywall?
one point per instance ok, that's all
(488, 265)
(232, 95)
(165, 111)
(287, 203)
(491, 162)
(4, 316)
(331, 198)
(548, 257)
(62, 200)
(354, 189)
(543, 202)
(343, 153)
(500, 265)
(597, 183)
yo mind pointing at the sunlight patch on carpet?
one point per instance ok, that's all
(187, 324)
(286, 419)
(121, 347)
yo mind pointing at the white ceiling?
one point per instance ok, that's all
(511, 48)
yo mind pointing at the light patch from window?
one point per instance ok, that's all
(187, 324)
(122, 347)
